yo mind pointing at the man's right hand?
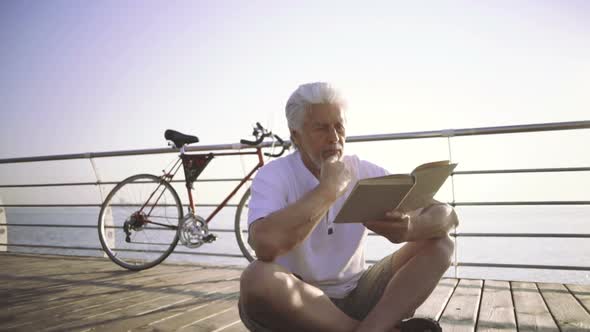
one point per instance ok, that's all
(334, 176)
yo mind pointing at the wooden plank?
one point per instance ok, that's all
(237, 326)
(128, 306)
(567, 311)
(531, 312)
(126, 286)
(436, 302)
(496, 311)
(185, 315)
(143, 315)
(194, 317)
(79, 295)
(582, 293)
(87, 290)
(461, 312)
(218, 319)
(49, 288)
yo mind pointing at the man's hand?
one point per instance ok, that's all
(395, 226)
(434, 221)
(334, 176)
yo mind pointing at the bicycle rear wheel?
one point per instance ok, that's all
(241, 227)
(138, 222)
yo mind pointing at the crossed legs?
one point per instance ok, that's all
(277, 300)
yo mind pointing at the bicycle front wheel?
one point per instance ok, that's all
(138, 222)
(241, 227)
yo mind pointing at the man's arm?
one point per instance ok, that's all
(281, 231)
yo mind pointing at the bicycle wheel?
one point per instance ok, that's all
(138, 222)
(241, 227)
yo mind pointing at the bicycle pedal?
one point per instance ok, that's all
(210, 238)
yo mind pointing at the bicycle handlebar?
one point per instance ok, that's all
(281, 142)
(261, 133)
(253, 143)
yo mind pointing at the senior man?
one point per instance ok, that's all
(310, 274)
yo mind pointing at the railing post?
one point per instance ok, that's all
(3, 228)
(448, 134)
(109, 235)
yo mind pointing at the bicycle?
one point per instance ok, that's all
(141, 220)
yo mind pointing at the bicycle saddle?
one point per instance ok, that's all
(179, 139)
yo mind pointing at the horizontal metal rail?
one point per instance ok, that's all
(524, 235)
(521, 203)
(235, 205)
(514, 266)
(473, 172)
(352, 139)
(475, 131)
(220, 230)
(198, 253)
(458, 264)
(92, 205)
(526, 266)
(228, 230)
(44, 246)
(96, 183)
(524, 170)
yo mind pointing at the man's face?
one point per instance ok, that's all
(322, 135)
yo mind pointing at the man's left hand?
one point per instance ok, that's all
(394, 226)
(433, 221)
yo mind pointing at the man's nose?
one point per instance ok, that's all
(333, 134)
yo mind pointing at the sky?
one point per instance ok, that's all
(91, 76)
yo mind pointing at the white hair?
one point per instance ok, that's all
(309, 94)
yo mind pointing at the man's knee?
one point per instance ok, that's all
(443, 248)
(259, 279)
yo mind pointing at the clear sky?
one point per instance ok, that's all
(89, 76)
(81, 76)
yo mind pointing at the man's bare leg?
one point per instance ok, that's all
(419, 267)
(280, 301)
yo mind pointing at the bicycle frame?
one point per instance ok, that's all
(193, 165)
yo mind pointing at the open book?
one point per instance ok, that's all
(371, 198)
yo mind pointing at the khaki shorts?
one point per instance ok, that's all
(358, 303)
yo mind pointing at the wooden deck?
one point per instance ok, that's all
(52, 293)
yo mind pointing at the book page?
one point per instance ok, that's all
(429, 178)
(387, 179)
(432, 164)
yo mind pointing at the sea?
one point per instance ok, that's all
(572, 252)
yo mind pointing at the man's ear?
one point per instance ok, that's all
(295, 138)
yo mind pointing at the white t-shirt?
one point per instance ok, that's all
(332, 262)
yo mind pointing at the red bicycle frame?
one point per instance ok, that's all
(194, 164)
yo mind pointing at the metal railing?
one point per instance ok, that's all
(447, 133)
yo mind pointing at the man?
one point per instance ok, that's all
(310, 274)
